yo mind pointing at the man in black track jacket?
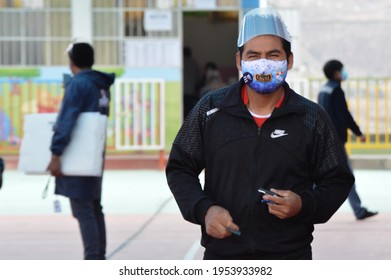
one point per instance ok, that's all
(258, 133)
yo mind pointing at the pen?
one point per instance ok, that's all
(236, 232)
(267, 201)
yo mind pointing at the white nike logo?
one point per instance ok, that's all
(278, 133)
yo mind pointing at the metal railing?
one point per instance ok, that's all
(139, 114)
(137, 121)
(369, 103)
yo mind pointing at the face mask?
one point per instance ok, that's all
(264, 76)
(344, 74)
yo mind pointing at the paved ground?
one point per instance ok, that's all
(143, 221)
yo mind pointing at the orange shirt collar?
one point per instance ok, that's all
(245, 98)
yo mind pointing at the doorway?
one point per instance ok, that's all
(211, 37)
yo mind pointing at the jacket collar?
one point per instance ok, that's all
(233, 103)
(330, 86)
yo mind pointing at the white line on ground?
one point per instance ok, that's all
(192, 252)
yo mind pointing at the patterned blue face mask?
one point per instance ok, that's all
(264, 76)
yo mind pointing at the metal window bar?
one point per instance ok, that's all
(22, 27)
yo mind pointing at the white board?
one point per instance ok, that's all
(82, 157)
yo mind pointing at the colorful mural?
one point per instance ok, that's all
(19, 97)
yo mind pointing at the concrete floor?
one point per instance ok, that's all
(151, 228)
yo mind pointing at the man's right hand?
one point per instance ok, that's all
(217, 219)
(54, 166)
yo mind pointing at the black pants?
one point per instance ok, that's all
(302, 254)
(92, 227)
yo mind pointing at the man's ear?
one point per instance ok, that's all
(238, 61)
(72, 67)
(290, 61)
(337, 75)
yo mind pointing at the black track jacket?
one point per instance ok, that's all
(295, 149)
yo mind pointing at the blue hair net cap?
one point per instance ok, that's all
(262, 21)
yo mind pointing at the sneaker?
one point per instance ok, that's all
(366, 214)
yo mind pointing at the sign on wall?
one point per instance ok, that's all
(205, 4)
(157, 20)
(153, 52)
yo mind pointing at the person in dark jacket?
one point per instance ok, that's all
(332, 98)
(191, 80)
(258, 133)
(2, 167)
(87, 91)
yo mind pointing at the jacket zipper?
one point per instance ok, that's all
(254, 193)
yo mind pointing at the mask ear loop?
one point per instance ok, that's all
(56, 202)
(45, 190)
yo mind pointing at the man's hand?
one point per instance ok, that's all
(54, 166)
(217, 220)
(362, 138)
(286, 206)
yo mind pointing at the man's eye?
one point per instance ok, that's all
(274, 57)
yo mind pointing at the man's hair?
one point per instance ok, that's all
(331, 67)
(285, 45)
(82, 55)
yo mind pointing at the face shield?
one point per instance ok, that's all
(262, 21)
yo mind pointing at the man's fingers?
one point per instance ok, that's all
(233, 231)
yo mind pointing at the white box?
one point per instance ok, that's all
(82, 157)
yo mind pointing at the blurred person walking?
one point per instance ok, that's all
(209, 66)
(213, 80)
(332, 98)
(191, 81)
(86, 91)
(2, 167)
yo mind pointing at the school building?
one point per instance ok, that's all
(142, 42)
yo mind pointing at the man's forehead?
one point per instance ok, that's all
(264, 42)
